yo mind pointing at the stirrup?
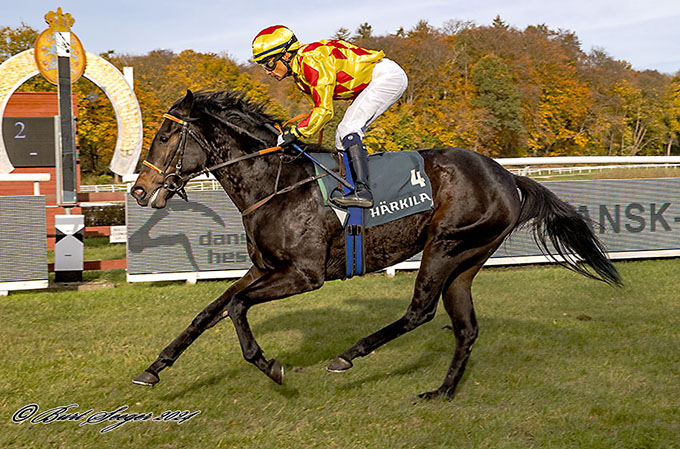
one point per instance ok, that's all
(363, 198)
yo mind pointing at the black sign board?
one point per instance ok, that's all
(29, 141)
(69, 180)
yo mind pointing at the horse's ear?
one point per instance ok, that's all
(184, 106)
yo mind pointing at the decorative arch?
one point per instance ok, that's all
(21, 67)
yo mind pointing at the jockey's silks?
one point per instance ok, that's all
(328, 70)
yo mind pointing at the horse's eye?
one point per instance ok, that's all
(164, 139)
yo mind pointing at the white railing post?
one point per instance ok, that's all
(35, 178)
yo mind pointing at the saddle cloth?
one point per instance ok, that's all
(397, 180)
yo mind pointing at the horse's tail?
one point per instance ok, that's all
(560, 224)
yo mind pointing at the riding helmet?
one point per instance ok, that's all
(273, 41)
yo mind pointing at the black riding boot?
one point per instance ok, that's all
(358, 158)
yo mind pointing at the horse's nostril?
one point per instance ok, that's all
(138, 192)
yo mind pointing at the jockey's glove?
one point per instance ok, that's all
(286, 138)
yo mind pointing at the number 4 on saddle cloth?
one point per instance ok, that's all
(400, 188)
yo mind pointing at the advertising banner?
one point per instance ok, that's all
(23, 247)
(202, 235)
(634, 218)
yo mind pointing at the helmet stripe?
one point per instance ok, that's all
(274, 50)
(271, 50)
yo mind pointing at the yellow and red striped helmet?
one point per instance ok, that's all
(272, 41)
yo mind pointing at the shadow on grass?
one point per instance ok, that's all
(223, 376)
(396, 368)
(209, 381)
(328, 331)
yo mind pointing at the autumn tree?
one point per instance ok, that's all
(16, 40)
(492, 88)
(557, 102)
(364, 31)
(342, 34)
(96, 129)
(671, 115)
(162, 77)
(499, 99)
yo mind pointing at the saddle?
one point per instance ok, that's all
(400, 188)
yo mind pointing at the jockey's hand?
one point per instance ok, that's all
(286, 138)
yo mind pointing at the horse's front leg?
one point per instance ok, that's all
(273, 285)
(208, 317)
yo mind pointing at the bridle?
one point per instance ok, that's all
(174, 181)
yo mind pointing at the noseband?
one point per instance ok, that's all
(173, 181)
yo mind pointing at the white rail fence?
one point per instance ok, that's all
(530, 166)
(530, 163)
(550, 171)
(200, 183)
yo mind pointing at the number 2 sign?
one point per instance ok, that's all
(21, 128)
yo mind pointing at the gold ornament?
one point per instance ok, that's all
(46, 47)
(59, 21)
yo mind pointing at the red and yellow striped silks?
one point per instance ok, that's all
(328, 70)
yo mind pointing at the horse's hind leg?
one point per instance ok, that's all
(451, 274)
(436, 266)
(458, 303)
(208, 317)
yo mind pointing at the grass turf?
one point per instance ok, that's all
(561, 361)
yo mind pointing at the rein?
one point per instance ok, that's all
(266, 199)
(175, 182)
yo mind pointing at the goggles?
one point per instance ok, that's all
(269, 64)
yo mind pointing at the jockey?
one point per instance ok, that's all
(330, 70)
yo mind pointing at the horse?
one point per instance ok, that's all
(296, 243)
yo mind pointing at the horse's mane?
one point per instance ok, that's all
(235, 108)
(234, 105)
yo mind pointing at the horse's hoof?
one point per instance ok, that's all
(147, 379)
(430, 395)
(276, 372)
(339, 365)
(436, 394)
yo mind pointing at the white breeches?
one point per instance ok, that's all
(387, 84)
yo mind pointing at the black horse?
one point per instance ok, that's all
(296, 243)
